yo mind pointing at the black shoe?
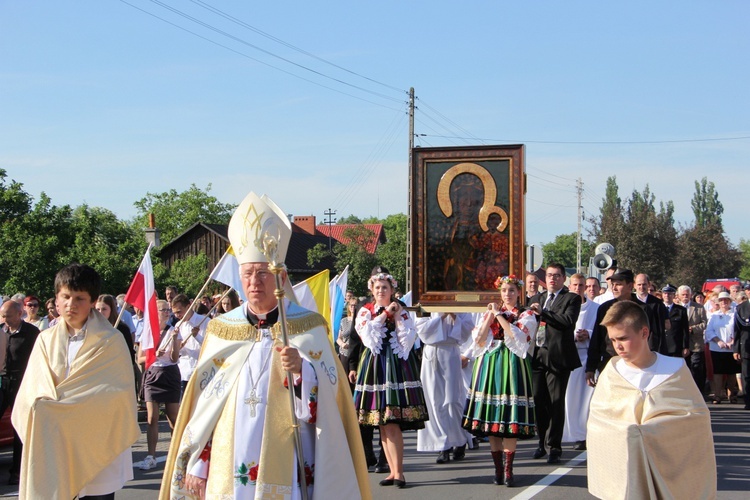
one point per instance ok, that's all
(474, 443)
(498, 480)
(443, 457)
(554, 456)
(400, 483)
(387, 482)
(539, 452)
(580, 445)
(459, 452)
(382, 469)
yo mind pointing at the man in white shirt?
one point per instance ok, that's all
(578, 394)
(191, 327)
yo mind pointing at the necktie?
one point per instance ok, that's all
(550, 299)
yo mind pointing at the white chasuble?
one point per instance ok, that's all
(655, 443)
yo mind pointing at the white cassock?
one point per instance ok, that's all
(250, 415)
(442, 379)
(578, 394)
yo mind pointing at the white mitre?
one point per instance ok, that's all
(255, 218)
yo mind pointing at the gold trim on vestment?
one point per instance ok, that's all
(244, 331)
(222, 485)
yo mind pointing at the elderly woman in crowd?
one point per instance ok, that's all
(720, 340)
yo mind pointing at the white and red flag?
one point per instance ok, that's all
(142, 294)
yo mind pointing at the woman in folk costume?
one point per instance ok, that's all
(501, 403)
(388, 392)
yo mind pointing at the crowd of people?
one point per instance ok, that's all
(565, 362)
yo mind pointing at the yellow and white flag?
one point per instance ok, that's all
(312, 294)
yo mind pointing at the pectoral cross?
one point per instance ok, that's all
(252, 399)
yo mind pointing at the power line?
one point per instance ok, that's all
(550, 204)
(676, 141)
(436, 122)
(375, 156)
(267, 52)
(263, 62)
(450, 121)
(289, 45)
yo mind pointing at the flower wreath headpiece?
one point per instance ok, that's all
(382, 276)
(510, 279)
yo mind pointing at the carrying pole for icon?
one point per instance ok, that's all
(268, 244)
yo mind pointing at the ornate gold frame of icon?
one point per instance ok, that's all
(467, 224)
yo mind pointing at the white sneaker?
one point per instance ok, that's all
(148, 463)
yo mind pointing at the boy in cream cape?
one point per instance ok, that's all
(649, 430)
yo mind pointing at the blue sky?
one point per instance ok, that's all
(101, 102)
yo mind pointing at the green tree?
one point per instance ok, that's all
(392, 253)
(564, 250)
(14, 201)
(644, 238)
(745, 249)
(34, 245)
(609, 226)
(109, 245)
(355, 255)
(648, 243)
(316, 254)
(175, 212)
(702, 253)
(706, 205)
(349, 219)
(188, 274)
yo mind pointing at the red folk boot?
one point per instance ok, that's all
(497, 457)
(509, 456)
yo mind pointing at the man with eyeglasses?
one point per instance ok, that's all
(554, 358)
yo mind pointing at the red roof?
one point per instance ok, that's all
(337, 233)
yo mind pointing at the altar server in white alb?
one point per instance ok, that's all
(578, 394)
(442, 335)
(233, 437)
(649, 430)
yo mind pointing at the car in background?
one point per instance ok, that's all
(709, 285)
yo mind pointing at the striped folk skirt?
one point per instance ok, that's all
(388, 390)
(500, 402)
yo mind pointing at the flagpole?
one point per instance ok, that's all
(206, 317)
(198, 295)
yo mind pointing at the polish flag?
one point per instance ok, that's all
(142, 294)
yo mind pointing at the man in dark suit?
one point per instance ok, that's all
(17, 338)
(554, 358)
(742, 345)
(676, 338)
(656, 311)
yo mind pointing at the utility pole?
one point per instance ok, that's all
(330, 221)
(408, 205)
(579, 188)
